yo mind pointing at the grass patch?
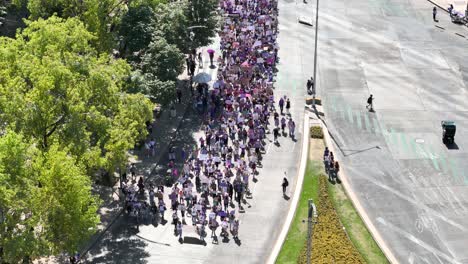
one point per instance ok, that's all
(331, 242)
(355, 227)
(297, 234)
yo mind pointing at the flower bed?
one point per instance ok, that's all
(330, 243)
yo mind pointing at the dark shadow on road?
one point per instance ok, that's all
(237, 241)
(452, 146)
(154, 242)
(119, 245)
(193, 241)
(358, 151)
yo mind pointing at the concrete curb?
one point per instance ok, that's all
(297, 192)
(362, 213)
(438, 5)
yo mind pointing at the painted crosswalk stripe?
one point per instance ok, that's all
(404, 142)
(377, 128)
(367, 122)
(350, 114)
(393, 137)
(358, 119)
(414, 148)
(443, 163)
(343, 112)
(333, 103)
(433, 158)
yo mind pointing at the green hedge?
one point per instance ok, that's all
(316, 132)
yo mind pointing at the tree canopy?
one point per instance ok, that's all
(70, 106)
(45, 201)
(57, 89)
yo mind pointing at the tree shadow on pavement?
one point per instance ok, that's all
(119, 245)
(184, 140)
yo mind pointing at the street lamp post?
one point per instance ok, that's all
(310, 224)
(315, 57)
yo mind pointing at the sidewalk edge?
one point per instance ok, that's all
(357, 204)
(438, 5)
(297, 192)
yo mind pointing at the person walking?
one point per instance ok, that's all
(200, 60)
(162, 209)
(179, 230)
(213, 226)
(179, 95)
(370, 103)
(275, 134)
(211, 54)
(337, 169)
(285, 184)
(192, 67)
(292, 128)
(175, 221)
(288, 106)
(283, 124)
(281, 105)
(310, 86)
(434, 14)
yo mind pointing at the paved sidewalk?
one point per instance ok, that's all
(166, 131)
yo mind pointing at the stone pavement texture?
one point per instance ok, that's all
(264, 213)
(412, 187)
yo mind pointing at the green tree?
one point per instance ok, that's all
(100, 16)
(16, 183)
(171, 21)
(45, 199)
(162, 92)
(162, 60)
(202, 13)
(57, 89)
(136, 31)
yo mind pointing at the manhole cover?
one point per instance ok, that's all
(420, 140)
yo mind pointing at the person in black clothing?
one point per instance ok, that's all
(284, 185)
(179, 95)
(310, 86)
(370, 103)
(192, 67)
(276, 134)
(230, 190)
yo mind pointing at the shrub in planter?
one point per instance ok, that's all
(309, 101)
(316, 132)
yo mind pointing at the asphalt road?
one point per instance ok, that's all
(413, 187)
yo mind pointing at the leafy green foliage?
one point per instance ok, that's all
(202, 13)
(57, 89)
(162, 59)
(45, 199)
(171, 21)
(136, 29)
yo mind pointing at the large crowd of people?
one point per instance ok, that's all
(239, 112)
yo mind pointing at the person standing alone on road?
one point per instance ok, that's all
(370, 103)
(284, 185)
(434, 14)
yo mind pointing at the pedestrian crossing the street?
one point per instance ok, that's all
(402, 143)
